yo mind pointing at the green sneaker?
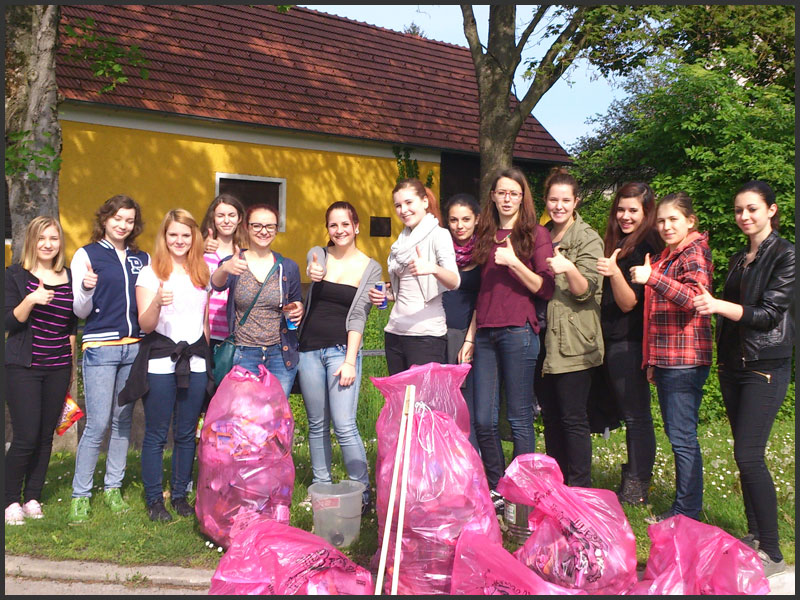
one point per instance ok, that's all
(113, 498)
(79, 511)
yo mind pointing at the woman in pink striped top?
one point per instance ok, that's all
(39, 361)
(224, 234)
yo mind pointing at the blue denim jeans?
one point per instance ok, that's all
(271, 357)
(105, 371)
(326, 401)
(166, 404)
(680, 392)
(507, 355)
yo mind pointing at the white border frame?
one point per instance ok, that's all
(281, 191)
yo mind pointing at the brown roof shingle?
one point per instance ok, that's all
(304, 70)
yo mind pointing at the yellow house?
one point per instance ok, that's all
(298, 110)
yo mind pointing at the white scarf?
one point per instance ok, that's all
(404, 250)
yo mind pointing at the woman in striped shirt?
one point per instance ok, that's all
(225, 234)
(39, 361)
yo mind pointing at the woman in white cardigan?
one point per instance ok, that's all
(422, 266)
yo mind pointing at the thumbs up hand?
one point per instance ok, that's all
(607, 267)
(420, 266)
(504, 255)
(211, 243)
(559, 263)
(704, 302)
(235, 265)
(90, 279)
(164, 296)
(315, 270)
(641, 273)
(41, 295)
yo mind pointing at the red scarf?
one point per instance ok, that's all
(464, 253)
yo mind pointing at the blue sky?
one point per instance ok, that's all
(563, 110)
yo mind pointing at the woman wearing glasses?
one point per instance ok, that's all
(513, 250)
(270, 283)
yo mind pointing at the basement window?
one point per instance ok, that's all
(252, 189)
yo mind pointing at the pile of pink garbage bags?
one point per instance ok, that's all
(580, 540)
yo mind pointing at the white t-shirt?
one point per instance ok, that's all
(181, 321)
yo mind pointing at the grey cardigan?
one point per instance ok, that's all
(359, 310)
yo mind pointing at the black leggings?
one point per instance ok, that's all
(563, 398)
(752, 399)
(402, 351)
(627, 382)
(35, 400)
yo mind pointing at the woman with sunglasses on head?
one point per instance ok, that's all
(269, 283)
(104, 277)
(225, 234)
(630, 236)
(461, 214)
(336, 310)
(755, 336)
(172, 371)
(422, 267)
(512, 249)
(574, 339)
(39, 359)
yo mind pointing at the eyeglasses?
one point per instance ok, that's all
(507, 194)
(268, 227)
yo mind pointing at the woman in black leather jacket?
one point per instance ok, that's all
(755, 337)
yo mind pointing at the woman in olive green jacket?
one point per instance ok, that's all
(573, 339)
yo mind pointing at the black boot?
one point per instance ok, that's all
(634, 491)
(624, 478)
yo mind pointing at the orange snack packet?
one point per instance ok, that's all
(69, 416)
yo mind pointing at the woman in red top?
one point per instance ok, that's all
(677, 341)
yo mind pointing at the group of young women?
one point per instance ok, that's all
(540, 311)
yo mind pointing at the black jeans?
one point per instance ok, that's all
(629, 387)
(563, 398)
(752, 399)
(403, 351)
(35, 400)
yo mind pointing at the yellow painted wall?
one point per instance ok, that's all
(162, 171)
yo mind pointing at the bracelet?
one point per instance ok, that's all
(351, 364)
(469, 342)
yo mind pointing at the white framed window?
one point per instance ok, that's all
(253, 189)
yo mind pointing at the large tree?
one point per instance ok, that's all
(33, 132)
(615, 40)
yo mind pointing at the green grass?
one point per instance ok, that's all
(132, 539)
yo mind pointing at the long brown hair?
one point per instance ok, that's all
(240, 235)
(422, 192)
(108, 210)
(523, 234)
(647, 228)
(342, 205)
(196, 265)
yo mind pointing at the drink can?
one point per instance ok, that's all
(381, 287)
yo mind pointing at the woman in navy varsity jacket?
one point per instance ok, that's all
(103, 283)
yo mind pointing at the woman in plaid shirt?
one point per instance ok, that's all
(677, 341)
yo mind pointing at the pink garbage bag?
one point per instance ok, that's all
(271, 558)
(580, 537)
(690, 558)
(245, 465)
(447, 492)
(482, 569)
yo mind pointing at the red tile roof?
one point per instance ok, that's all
(304, 70)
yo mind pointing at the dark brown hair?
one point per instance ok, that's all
(422, 192)
(763, 189)
(523, 234)
(557, 176)
(108, 210)
(647, 228)
(341, 205)
(240, 235)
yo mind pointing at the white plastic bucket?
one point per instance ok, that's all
(337, 510)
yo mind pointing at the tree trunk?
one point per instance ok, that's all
(33, 106)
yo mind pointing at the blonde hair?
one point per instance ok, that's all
(196, 265)
(32, 233)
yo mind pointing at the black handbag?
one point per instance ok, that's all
(224, 351)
